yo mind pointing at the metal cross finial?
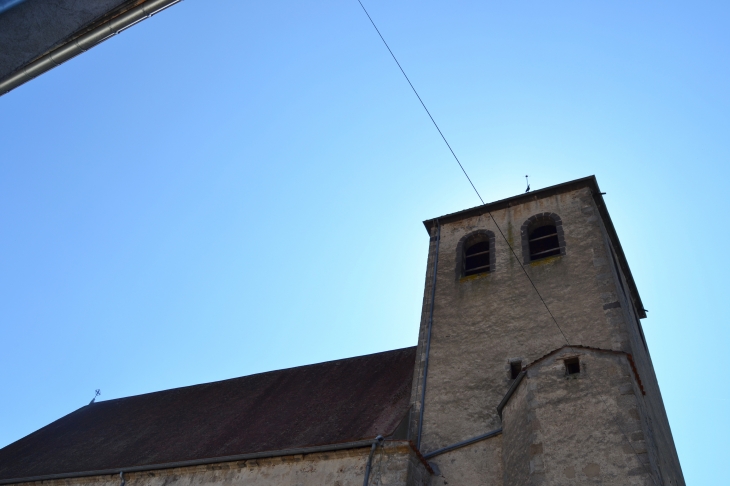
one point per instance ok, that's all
(528, 184)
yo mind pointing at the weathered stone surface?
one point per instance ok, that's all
(479, 464)
(481, 323)
(585, 424)
(394, 464)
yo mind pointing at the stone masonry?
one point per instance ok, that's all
(597, 427)
(394, 464)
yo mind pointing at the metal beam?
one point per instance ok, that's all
(83, 43)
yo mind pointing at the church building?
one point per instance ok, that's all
(531, 368)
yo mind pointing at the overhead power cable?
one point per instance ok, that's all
(422, 103)
(464, 171)
(555, 321)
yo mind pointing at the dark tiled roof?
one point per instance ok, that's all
(327, 403)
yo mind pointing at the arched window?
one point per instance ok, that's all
(542, 237)
(476, 258)
(544, 242)
(475, 254)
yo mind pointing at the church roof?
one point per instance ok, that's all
(327, 403)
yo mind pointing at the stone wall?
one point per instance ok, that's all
(394, 464)
(481, 323)
(619, 308)
(576, 429)
(478, 464)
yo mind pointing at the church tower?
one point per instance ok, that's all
(532, 367)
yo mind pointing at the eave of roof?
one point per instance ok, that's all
(367, 443)
(325, 406)
(591, 183)
(362, 444)
(84, 38)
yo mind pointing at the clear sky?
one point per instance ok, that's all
(234, 187)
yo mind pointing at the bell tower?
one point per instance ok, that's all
(532, 367)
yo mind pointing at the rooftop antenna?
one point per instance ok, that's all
(528, 184)
(98, 392)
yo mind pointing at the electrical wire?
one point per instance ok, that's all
(567, 342)
(422, 103)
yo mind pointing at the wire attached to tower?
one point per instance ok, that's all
(567, 342)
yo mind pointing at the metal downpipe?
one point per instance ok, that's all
(428, 334)
(378, 440)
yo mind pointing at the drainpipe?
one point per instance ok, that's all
(428, 333)
(378, 440)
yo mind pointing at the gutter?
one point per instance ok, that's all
(197, 462)
(82, 44)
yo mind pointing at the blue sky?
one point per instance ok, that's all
(235, 187)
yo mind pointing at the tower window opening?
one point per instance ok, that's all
(544, 242)
(476, 258)
(514, 369)
(572, 366)
(475, 254)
